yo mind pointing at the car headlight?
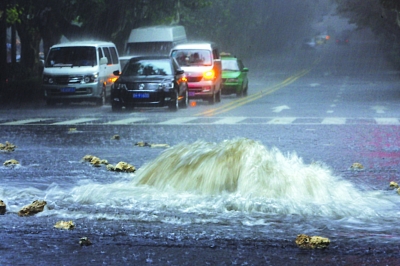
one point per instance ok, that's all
(232, 80)
(91, 78)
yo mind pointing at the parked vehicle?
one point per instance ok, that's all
(202, 65)
(80, 71)
(150, 81)
(156, 40)
(234, 76)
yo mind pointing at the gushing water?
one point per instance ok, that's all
(235, 180)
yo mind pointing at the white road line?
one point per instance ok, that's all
(229, 120)
(177, 121)
(282, 120)
(126, 121)
(387, 121)
(26, 121)
(334, 121)
(75, 121)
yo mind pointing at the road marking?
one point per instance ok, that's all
(282, 120)
(379, 109)
(75, 121)
(177, 121)
(126, 121)
(387, 121)
(334, 121)
(279, 109)
(229, 120)
(26, 121)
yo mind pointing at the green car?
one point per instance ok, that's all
(234, 76)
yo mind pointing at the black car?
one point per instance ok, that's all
(150, 81)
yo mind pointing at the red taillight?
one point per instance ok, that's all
(209, 74)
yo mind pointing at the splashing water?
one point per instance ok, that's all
(250, 177)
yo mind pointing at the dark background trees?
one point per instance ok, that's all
(243, 27)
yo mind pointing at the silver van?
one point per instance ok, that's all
(155, 40)
(202, 65)
(80, 71)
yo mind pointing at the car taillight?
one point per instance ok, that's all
(209, 74)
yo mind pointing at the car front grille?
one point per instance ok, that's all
(69, 79)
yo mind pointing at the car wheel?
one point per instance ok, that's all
(212, 100)
(102, 100)
(116, 106)
(219, 96)
(185, 101)
(174, 105)
(245, 90)
(240, 93)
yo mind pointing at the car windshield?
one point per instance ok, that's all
(192, 57)
(148, 68)
(71, 56)
(230, 65)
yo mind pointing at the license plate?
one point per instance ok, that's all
(192, 93)
(68, 89)
(141, 95)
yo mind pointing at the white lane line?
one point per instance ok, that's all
(26, 121)
(75, 121)
(387, 121)
(334, 121)
(126, 121)
(229, 120)
(178, 121)
(282, 120)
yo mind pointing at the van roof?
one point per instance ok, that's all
(199, 45)
(84, 43)
(159, 33)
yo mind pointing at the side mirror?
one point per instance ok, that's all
(116, 73)
(245, 69)
(180, 72)
(103, 61)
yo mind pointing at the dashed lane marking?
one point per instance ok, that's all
(25, 121)
(229, 120)
(333, 121)
(126, 121)
(193, 121)
(75, 121)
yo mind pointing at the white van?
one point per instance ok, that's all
(155, 40)
(202, 65)
(80, 71)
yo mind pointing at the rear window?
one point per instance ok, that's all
(192, 57)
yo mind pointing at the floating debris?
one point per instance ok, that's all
(2, 207)
(151, 145)
(84, 241)
(305, 241)
(8, 147)
(393, 185)
(11, 162)
(72, 129)
(95, 161)
(67, 225)
(116, 137)
(33, 208)
(122, 167)
(357, 166)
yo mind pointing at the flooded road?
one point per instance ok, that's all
(234, 201)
